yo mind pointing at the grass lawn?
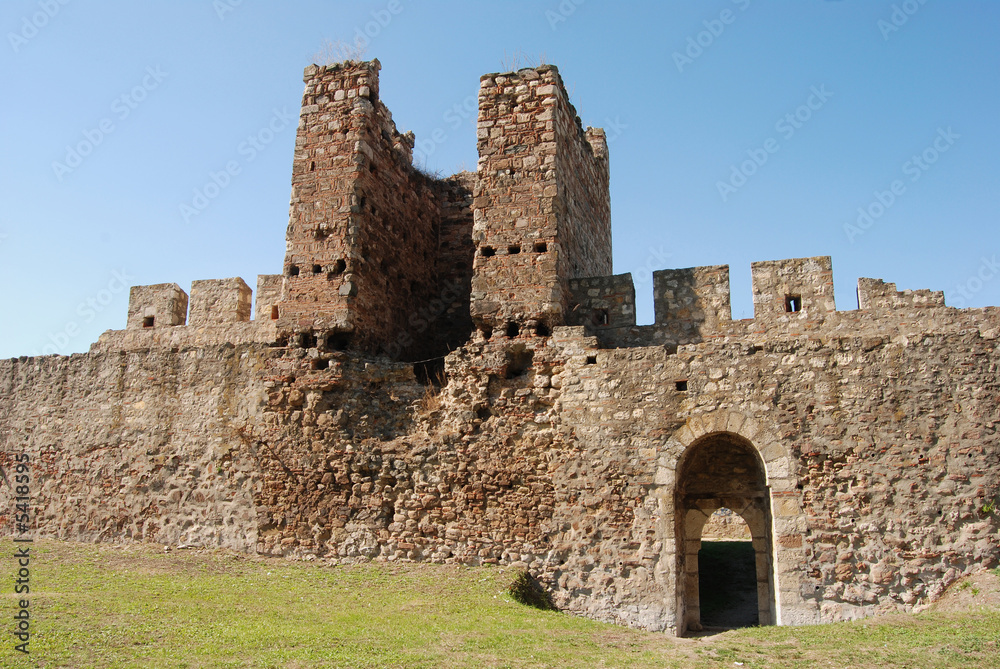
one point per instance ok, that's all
(138, 606)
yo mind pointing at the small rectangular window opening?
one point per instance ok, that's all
(541, 247)
(601, 317)
(274, 313)
(513, 250)
(591, 359)
(681, 385)
(293, 270)
(317, 269)
(148, 321)
(793, 303)
(487, 251)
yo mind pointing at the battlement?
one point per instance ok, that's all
(877, 294)
(385, 259)
(799, 286)
(212, 302)
(791, 297)
(691, 301)
(220, 301)
(157, 306)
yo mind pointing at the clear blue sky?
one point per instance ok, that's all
(199, 79)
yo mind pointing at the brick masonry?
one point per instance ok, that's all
(428, 402)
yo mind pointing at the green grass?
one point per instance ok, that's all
(136, 606)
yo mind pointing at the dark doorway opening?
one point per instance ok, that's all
(727, 584)
(722, 497)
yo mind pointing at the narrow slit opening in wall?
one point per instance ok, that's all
(487, 251)
(541, 247)
(601, 317)
(793, 303)
(148, 321)
(312, 166)
(274, 313)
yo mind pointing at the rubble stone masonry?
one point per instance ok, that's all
(402, 395)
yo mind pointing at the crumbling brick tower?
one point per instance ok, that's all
(375, 248)
(542, 202)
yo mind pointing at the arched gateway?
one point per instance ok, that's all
(722, 470)
(726, 459)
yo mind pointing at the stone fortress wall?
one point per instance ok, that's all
(447, 371)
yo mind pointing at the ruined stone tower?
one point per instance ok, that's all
(542, 207)
(371, 240)
(446, 370)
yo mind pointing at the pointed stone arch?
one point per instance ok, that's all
(777, 522)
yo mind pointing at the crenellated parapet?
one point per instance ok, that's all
(215, 301)
(157, 306)
(602, 303)
(217, 312)
(792, 297)
(692, 301)
(795, 288)
(877, 294)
